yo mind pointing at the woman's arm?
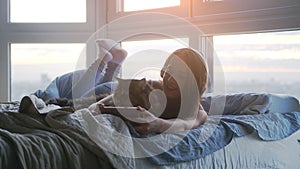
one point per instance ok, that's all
(106, 100)
(178, 125)
(159, 125)
(94, 108)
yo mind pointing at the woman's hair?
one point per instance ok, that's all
(196, 64)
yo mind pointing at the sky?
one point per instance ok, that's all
(38, 10)
(146, 4)
(263, 52)
(272, 53)
(42, 11)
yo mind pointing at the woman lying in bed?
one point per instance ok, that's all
(184, 80)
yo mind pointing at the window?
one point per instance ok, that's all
(120, 8)
(136, 5)
(262, 62)
(43, 25)
(33, 66)
(26, 24)
(47, 11)
(240, 16)
(146, 58)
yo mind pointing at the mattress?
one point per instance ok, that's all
(245, 152)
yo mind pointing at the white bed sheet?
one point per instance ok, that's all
(245, 152)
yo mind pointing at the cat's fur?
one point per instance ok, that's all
(79, 103)
(129, 93)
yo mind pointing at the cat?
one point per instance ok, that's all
(132, 93)
(129, 93)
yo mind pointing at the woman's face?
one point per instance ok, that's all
(170, 86)
(172, 75)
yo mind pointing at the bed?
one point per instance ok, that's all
(251, 131)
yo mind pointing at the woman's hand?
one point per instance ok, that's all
(146, 122)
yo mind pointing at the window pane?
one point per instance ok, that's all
(136, 5)
(146, 58)
(48, 11)
(265, 62)
(33, 66)
(212, 0)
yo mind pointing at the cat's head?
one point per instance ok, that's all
(132, 92)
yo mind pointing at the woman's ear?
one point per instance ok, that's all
(162, 73)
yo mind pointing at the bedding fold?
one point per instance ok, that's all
(269, 127)
(168, 149)
(54, 140)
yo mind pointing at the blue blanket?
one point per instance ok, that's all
(252, 113)
(273, 126)
(62, 87)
